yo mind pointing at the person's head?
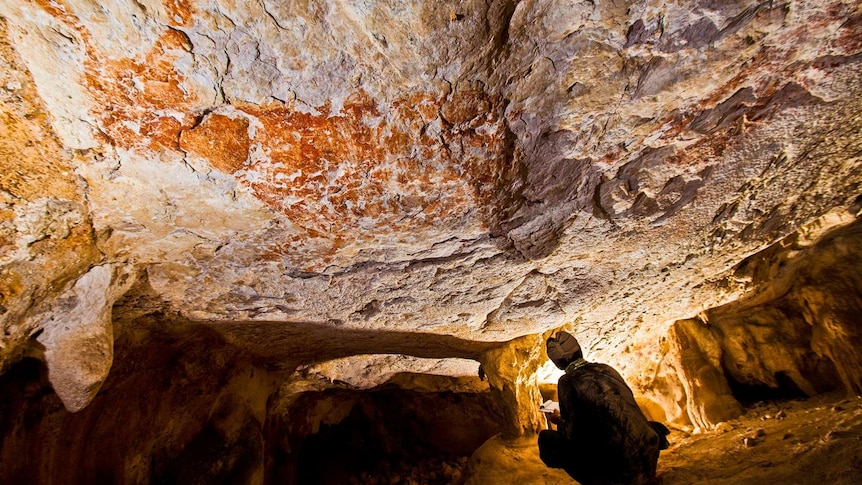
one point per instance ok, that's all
(563, 349)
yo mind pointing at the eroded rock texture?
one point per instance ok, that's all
(794, 334)
(340, 192)
(182, 404)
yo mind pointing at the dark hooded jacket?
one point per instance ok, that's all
(611, 440)
(603, 437)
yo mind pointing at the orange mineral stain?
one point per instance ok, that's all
(374, 168)
(143, 104)
(362, 170)
(224, 141)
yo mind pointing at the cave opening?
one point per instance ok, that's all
(749, 394)
(384, 435)
(22, 389)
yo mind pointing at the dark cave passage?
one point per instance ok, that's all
(387, 436)
(750, 394)
(205, 413)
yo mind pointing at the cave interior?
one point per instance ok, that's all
(325, 242)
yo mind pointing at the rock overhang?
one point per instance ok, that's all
(485, 171)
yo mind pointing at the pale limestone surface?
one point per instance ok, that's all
(78, 335)
(479, 170)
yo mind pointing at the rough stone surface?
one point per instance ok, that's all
(78, 335)
(697, 361)
(46, 237)
(480, 170)
(512, 376)
(789, 336)
(514, 460)
(340, 192)
(189, 415)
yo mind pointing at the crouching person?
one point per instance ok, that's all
(602, 436)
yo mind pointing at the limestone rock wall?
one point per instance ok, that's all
(184, 405)
(483, 169)
(695, 355)
(511, 371)
(807, 334)
(190, 414)
(794, 333)
(46, 234)
(319, 186)
(331, 435)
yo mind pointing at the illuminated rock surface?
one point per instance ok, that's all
(264, 202)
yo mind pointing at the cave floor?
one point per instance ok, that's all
(818, 440)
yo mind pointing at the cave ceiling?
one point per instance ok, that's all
(475, 170)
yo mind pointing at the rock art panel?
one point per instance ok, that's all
(341, 140)
(336, 171)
